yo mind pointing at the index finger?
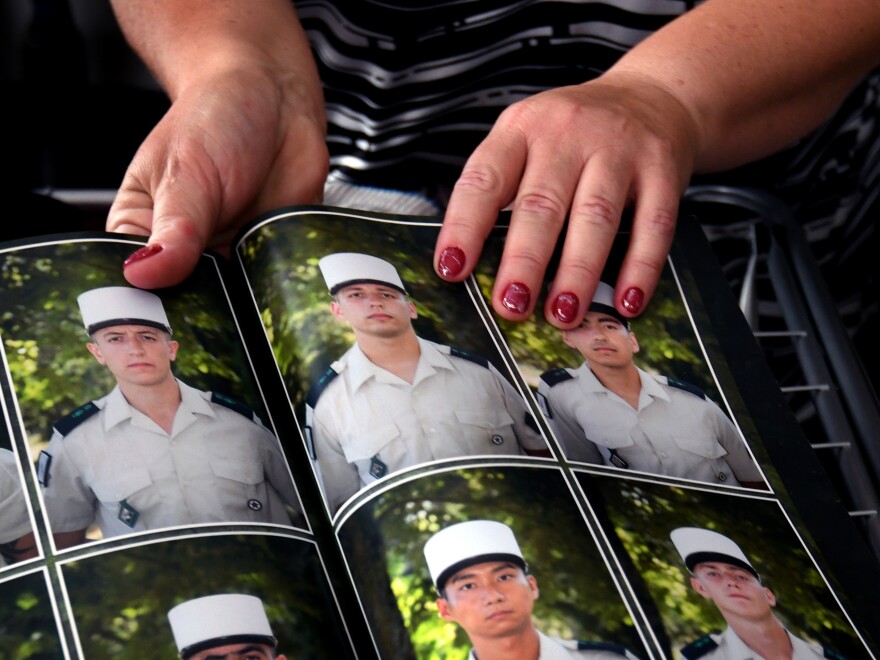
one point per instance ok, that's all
(487, 184)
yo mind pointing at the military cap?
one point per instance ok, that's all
(603, 302)
(121, 305)
(219, 620)
(473, 542)
(697, 545)
(346, 268)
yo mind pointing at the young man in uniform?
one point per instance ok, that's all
(484, 586)
(223, 626)
(722, 573)
(155, 452)
(394, 399)
(608, 411)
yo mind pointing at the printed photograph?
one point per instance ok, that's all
(140, 408)
(481, 560)
(387, 366)
(727, 573)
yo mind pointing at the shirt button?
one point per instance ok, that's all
(722, 476)
(497, 440)
(255, 505)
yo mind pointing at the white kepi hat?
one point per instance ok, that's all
(696, 545)
(603, 302)
(219, 620)
(465, 544)
(121, 305)
(347, 268)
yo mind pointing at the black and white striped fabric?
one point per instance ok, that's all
(412, 86)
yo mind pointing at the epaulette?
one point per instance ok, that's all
(234, 404)
(69, 422)
(611, 647)
(464, 355)
(556, 376)
(687, 387)
(699, 648)
(318, 388)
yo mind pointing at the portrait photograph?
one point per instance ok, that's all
(140, 409)
(386, 541)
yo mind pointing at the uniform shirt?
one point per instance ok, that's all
(412, 88)
(729, 646)
(675, 432)
(367, 422)
(553, 648)
(14, 520)
(119, 468)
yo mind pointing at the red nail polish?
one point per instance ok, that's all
(451, 261)
(143, 253)
(516, 297)
(565, 307)
(633, 300)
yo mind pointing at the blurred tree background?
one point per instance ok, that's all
(281, 261)
(27, 623)
(44, 339)
(642, 514)
(120, 599)
(384, 541)
(668, 345)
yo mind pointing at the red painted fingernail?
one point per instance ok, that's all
(565, 307)
(633, 300)
(451, 261)
(516, 297)
(143, 253)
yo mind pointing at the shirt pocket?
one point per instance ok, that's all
(369, 443)
(121, 485)
(247, 472)
(491, 429)
(702, 444)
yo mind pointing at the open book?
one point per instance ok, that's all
(385, 468)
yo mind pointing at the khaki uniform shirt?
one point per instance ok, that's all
(729, 646)
(119, 468)
(14, 520)
(367, 422)
(562, 649)
(674, 432)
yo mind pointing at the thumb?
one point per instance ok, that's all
(179, 223)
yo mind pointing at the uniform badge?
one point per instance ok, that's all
(44, 462)
(255, 505)
(128, 514)
(617, 460)
(378, 469)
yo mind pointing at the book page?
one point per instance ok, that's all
(144, 468)
(591, 503)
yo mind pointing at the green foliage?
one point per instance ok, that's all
(44, 340)
(281, 261)
(27, 625)
(642, 515)
(578, 598)
(120, 600)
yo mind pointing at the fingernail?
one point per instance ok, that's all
(143, 253)
(516, 297)
(633, 300)
(451, 261)
(565, 307)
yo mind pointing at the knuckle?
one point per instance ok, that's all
(580, 270)
(479, 178)
(662, 221)
(598, 209)
(543, 203)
